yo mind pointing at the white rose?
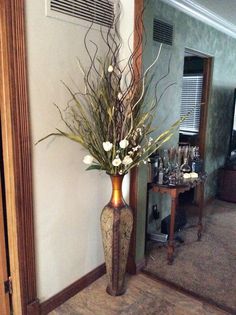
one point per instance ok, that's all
(107, 146)
(127, 160)
(124, 143)
(116, 162)
(88, 159)
(110, 69)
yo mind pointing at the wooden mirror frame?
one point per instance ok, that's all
(133, 266)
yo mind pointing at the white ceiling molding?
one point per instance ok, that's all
(205, 15)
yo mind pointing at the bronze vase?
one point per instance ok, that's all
(116, 226)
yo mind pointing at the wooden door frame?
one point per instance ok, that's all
(16, 141)
(4, 297)
(207, 74)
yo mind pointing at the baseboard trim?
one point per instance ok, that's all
(140, 265)
(208, 201)
(61, 297)
(33, 308)
(134, 267)
(188, 292)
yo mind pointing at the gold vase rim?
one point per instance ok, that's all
(117, 174)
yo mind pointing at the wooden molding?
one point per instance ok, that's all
(138, 31)
(140, 265)
(187, 292)
(33, 308)
(207, 73)
(131, 263)
(60, 298)
(205, 15)
(17, 154)
(134, 268)
(4, 298)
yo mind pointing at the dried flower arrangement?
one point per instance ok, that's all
(112, 119)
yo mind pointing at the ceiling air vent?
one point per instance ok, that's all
(100, 12)
(162, 32)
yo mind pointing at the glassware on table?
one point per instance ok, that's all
(185, 167)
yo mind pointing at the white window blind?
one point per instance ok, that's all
(191, 102)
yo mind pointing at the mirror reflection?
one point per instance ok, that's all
(190, 226)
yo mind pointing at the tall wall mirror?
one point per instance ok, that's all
(198, 64)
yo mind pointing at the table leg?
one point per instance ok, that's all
(201, 202)
(171, 248)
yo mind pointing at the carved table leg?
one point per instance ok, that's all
(201, 199)
(170, 250)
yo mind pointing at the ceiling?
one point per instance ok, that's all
(226, 9)
(220, 14)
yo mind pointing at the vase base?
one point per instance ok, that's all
(115, 292)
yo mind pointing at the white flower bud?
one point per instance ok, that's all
(127, 160)
(116, 162)
(119, 96)
(110, 69)
(124, 143)
(107, 146)
(88, 159)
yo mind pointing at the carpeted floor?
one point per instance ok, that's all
(206, 268)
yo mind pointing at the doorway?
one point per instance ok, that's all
(195, 96)
(197, 75)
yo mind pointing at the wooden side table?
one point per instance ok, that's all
(174, 192)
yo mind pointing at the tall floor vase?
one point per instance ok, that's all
(116, 226)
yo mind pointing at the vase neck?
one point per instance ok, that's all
(117, 197)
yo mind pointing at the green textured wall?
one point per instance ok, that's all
(193, 34)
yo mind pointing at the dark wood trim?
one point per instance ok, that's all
(16, 126)
(136, 267)
(140, 265)
(33, 308)
(207, 73)
(131, 263)
(138, 32)
(188, 292)
(60, 298)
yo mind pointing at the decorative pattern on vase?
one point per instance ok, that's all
(116, 226)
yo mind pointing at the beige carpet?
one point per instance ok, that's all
(143, 297)
(206, 268)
